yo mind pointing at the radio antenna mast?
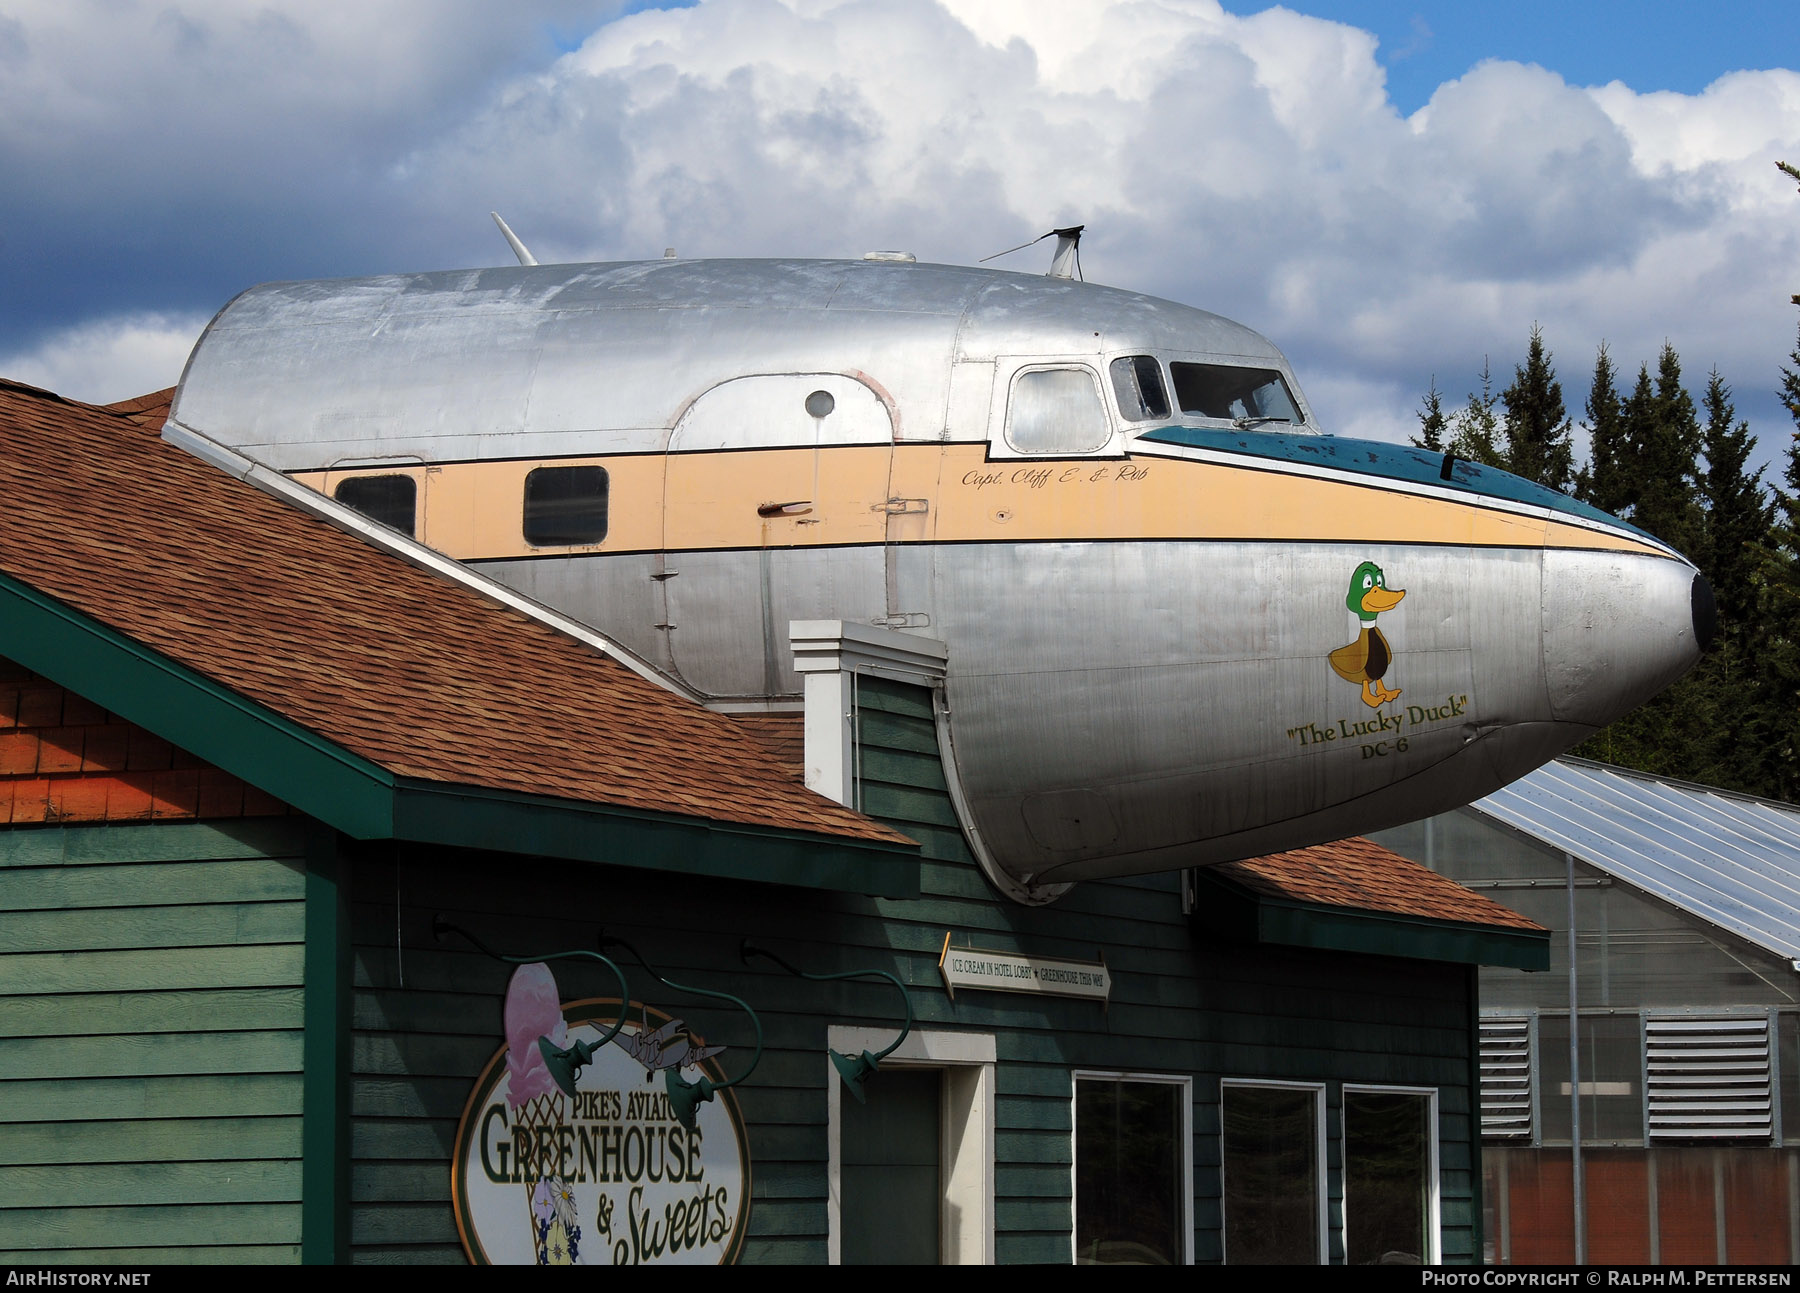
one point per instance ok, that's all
(512, 240)
(1067, 257)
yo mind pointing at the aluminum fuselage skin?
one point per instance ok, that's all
(1153, 658)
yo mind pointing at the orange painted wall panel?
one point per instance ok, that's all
(1684, 1199)
(1617, 1187)
(63, 759)
(1541, 1203)
(1756, 1207)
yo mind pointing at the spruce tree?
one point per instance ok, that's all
(1432, 422)
(1778, 654)
(1537, 427)
(1637, 417)
(1603, 482)
(1662, 436)
(1737, 514)
(1475, 431)
(1678, 457)
(1681, 732)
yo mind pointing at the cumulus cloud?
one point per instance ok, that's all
(166, 153)
(109, 359)
(1251, 165)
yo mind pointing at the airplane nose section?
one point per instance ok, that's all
(1618, 628)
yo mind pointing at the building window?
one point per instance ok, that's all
(1272, 1165)
(392, 501)
(912, 1169)
(565, 506)
(1133, 1178)
(1057, 410)
(1390, 1176)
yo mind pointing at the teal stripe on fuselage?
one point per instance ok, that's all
(1388, 461)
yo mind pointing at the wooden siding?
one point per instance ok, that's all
(150, 1073)
(427, 1013)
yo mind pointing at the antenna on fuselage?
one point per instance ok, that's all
(512, 240)
(1066, 259)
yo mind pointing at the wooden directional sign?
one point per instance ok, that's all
(974, 967)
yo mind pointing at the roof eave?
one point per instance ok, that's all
(1234, 912)
(364, 800)
(503, 821)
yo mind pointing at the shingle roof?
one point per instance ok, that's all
(150, 410)
(1359, 874)
(783, 735)
(417, 674)
(1730, 859)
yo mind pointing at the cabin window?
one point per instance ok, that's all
(392, 501)
(1138, 386)
(1132, 1171)
(1056, 410)
(565, 506)
(1390, 1177)
(1229, 392)
(1272, 1170)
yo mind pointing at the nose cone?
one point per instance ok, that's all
(1706, 612)
(1618, 628)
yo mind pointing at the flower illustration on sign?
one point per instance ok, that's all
(533, 1010)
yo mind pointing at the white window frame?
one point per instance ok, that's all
(1186, 1083)
(1434, 1220)
(1008, 369)
(967, 1060)
(1319, 1157)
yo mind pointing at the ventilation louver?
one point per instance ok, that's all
(1506, 1079)
(1708, 1079)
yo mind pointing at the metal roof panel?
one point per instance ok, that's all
(1730, 859)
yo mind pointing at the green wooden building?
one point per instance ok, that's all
(284, 813)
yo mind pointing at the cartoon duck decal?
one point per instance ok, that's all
(1366, 660)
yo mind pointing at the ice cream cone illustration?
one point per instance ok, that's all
(534, 1010)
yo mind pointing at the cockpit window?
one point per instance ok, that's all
(1232, 393)
(1138, 386)
(392, 501)
(1056, 410)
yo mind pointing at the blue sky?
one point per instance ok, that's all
(1649, 45)
(1392, 193)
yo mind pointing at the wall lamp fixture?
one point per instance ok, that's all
(686, 1097)
(854, 1069)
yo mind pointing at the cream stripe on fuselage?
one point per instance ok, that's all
(471, 510)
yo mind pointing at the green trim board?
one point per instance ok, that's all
(474, 817)
(325, 1085)
(364, 800)
(1234, 912)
